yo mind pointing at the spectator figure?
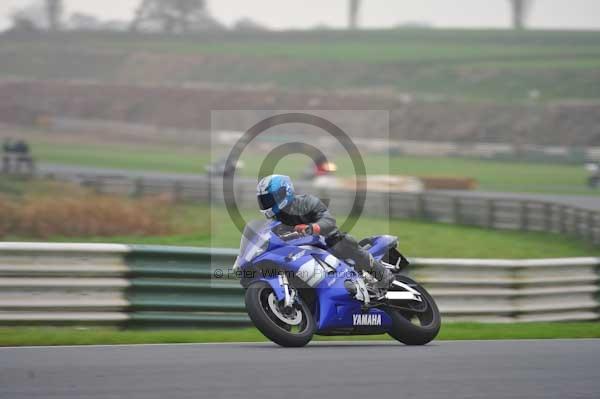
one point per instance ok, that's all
(593, 169)
(7, 152)
(23, 157)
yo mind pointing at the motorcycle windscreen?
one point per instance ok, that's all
(254, 241)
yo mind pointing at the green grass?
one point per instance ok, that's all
(199, 225)
(368, 45)
(29, 336)
(417, 238)
(500, 175)
(378, 49)
(491, 175)
(492, 64)
(160, 159)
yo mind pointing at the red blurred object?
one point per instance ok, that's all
(325, 168)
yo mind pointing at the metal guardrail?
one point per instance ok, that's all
(62, 283)
(176, 286)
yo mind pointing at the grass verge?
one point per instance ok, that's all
(492, 175)
(153, 222)
(505, 175)
(417, 238)
(476, 64)
(29, 336)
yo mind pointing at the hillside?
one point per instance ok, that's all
(569, 124)
(483, 65)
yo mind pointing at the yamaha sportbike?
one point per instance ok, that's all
(295, 288)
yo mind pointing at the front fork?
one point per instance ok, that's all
(282, 289)
(289, 294)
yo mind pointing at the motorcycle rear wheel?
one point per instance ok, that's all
(273, 322)
(415, 328)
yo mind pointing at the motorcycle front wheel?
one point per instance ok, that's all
(292, 327)
(417, 327)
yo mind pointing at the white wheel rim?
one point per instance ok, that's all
(293, 320)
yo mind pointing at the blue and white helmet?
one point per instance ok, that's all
(274, 193)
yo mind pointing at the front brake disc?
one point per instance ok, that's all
(293, 319)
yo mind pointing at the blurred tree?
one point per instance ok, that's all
(81, 21)
(54, 11)
(519, 13)
(172, 16)
(247, 24)
(353, 10)
(21, 23)
(30, 17)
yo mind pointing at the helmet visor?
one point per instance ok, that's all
(266, 201)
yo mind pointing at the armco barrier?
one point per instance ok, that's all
(176, 285)
(158, 286)
(62, 283)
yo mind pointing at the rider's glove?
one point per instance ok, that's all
(307, 229)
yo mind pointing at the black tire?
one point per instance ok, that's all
(404, 330)
(268, 324)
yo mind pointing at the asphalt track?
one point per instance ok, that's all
(468, 369)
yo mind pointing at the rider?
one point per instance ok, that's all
(308, 215)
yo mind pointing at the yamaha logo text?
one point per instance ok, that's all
(366, 319)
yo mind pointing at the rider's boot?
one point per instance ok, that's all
(384, 276)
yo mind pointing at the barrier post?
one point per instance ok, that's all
(138, 187)
(524, 216)
(490, 217)
(548, 225)
(456, 214)
(421, 211)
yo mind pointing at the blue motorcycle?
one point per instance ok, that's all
(295, 288)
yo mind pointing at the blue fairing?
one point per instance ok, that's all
(381, 244)
(306, 260)
(276, 285)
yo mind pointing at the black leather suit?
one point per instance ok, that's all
(308, 209)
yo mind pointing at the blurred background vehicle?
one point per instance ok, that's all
(319, 168)
(17, 159)
(223, 168)
(594, 174)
